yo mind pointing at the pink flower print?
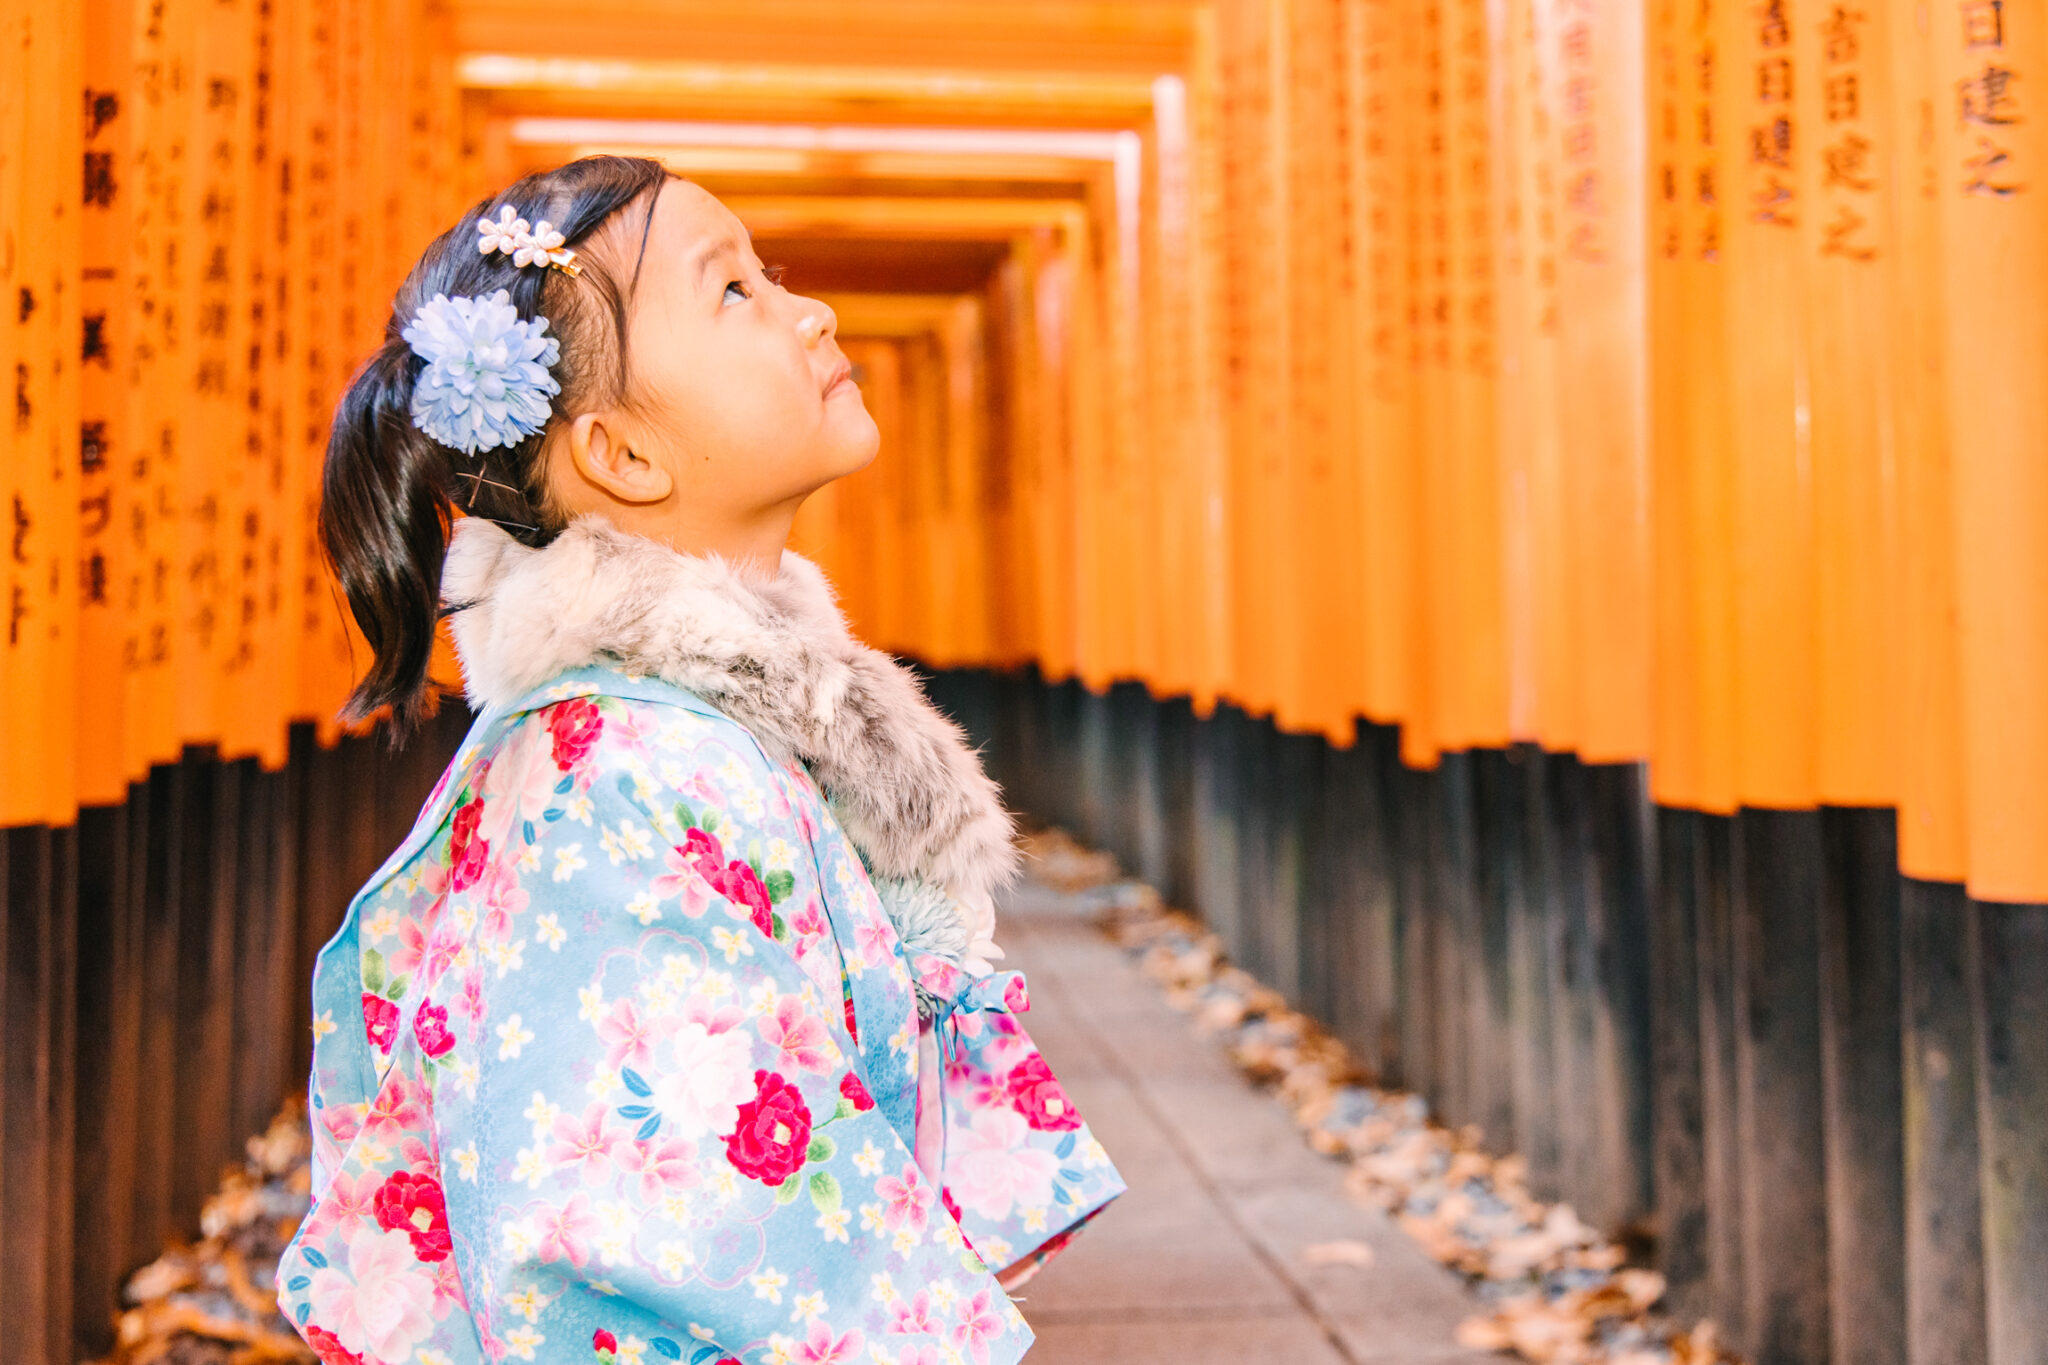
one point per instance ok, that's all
(503, 899)
(628, 1035)
(584, 1143)
(520, 786)
(684, 879)
(821, 1348)
(396, 1110)
(992, 1168)
(1039, 1097)
(448, 1291)
(349, 1200)
(1016, 999)
(405, 959)
(573, 728)
(442, 950)
(670, 1166)
(430, 1028)
(380, 1021)
(342, 1122)
(874, 940)
(979, 1324)
(470, 1004)
(566, 1231)
(801, 1036)
(382, 1304)
(914, 1316)
(906, 1200)
(923, 1353)
(466, 852)
(809, 922)
(415, 1205)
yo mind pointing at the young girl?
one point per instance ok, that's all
(670, 1032)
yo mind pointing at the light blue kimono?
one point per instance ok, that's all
(617, 1059)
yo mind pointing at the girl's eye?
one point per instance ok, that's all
(774, 273)
(735, 288)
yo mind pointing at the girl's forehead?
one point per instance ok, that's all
(692, 223)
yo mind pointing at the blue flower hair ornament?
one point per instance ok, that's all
(486, 383)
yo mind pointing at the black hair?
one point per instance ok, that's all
(388, 490)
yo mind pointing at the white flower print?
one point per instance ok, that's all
(323, 1024)
(522, 1340)
(569, 861)
(808, 1306)
(712, 1077)
(768, 1284)
(577, 808)
(674, 1259)
(644, 907)
(466, 1162)
(512, 1036)
(526, 1303)
(548, 929)
(530, 1168)
(868, 1160)
(734, 946)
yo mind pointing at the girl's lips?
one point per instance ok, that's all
(841, 378)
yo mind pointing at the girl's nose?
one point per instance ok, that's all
(817, 323)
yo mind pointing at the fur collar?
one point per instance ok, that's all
(777, 658)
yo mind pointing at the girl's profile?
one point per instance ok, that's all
(674, 1031)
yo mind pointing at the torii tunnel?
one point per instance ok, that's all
(1502, 545)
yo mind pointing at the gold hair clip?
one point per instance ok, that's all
(538, 244)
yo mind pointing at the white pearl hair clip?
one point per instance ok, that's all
(538, 244)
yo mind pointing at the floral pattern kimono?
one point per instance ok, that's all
(618, 1059)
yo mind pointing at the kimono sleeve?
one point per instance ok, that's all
(651, 1120)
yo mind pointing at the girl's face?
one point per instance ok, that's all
(739, 403)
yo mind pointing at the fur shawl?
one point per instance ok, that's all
(777, 658)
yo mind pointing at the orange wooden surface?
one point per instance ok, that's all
(1658, 382)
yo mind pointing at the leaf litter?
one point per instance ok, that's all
(1553, 1290)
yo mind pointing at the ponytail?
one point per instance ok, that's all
(384, 522)
(389, 491)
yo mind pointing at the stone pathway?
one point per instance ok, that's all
(1236, 1244)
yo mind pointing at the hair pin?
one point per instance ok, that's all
(534, 244)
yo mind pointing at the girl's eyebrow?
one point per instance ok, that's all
(710, 251)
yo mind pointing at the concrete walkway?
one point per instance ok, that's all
(1203, 1262)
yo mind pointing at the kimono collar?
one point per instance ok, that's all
(776, 657)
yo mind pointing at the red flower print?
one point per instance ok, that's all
(574, 727)
(414, 1204)
(380, 1021)
(740, 884)
(327, 1347)
(851, 1087)
(430, 1027)
(852, 1028)
(703, 851)
(601, 1341)
(1039, 1097)
(467, 854)
(774, 1131)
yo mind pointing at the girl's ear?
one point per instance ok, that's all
(610, 467)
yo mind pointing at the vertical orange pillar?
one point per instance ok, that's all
(1933, 834)
(106, 445)
(1993, 173)
(1843, 105)
(1602, 272)
(1768, 406)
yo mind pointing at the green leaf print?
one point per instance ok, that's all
(822, 1148)
(373, 972)
(787, 1191)
(779, 883)
(825, 1192)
